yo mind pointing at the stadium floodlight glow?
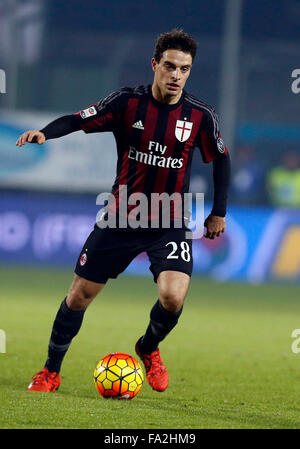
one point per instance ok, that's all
(2, 82)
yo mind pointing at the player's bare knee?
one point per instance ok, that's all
(81, 294)
(77, 300)
(171, 301)
(172, 296)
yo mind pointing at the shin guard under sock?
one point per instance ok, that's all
(66, 325)
(161, 323)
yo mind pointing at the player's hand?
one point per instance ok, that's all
(215, 226)
(32, 136)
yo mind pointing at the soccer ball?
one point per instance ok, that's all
(118, 376)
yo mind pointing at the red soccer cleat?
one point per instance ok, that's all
(156, 371)
(44, 381)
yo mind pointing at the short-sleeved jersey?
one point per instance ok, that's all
(155, 141)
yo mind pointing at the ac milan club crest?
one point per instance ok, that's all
(183, 130)
(83, 259)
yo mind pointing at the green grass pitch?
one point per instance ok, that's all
(229, 359)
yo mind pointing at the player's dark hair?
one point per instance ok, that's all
(175, 39)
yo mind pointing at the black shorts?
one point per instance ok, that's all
(107, 253)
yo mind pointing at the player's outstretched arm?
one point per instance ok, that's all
(58, 128)
(32, 136)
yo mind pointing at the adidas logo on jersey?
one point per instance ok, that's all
(138, 125)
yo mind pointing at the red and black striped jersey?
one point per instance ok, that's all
(155, 141)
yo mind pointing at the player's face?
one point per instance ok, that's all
(171, 74)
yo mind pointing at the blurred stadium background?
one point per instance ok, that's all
(59, 57)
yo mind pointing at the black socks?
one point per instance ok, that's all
(161, 323)
(66, 325)
(68, 322)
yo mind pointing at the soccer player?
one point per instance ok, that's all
(156, 129)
